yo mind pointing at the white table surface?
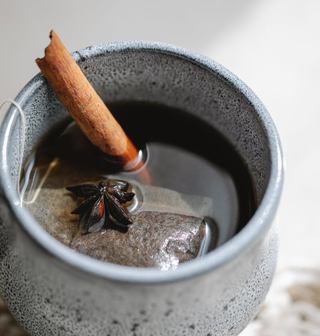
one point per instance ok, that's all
(273, 46)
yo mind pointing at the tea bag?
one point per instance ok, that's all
(155, 239)
(168, 227)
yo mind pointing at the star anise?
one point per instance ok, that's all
(101, 202)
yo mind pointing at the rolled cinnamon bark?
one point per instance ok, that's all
(84, 105)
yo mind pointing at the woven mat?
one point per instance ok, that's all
(292, 307)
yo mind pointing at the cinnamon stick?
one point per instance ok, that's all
(84, 104)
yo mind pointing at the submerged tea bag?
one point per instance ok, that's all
(166, 231)
(155, 239)
(168, 227)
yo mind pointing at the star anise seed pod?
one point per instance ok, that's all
(99, 200)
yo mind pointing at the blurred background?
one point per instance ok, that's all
(273, 46)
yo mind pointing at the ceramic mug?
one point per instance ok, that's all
(52, 290)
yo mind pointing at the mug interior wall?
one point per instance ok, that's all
(172, 80)
(157, 77)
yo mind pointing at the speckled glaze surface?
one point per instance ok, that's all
(53, 290)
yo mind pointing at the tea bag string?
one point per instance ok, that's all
(39, 187)
(23, 124)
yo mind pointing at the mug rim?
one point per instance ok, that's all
(238, 244)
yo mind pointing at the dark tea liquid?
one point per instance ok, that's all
(182, 154)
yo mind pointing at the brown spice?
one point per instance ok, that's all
(83, 103)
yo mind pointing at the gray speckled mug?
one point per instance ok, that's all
(52, 290)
